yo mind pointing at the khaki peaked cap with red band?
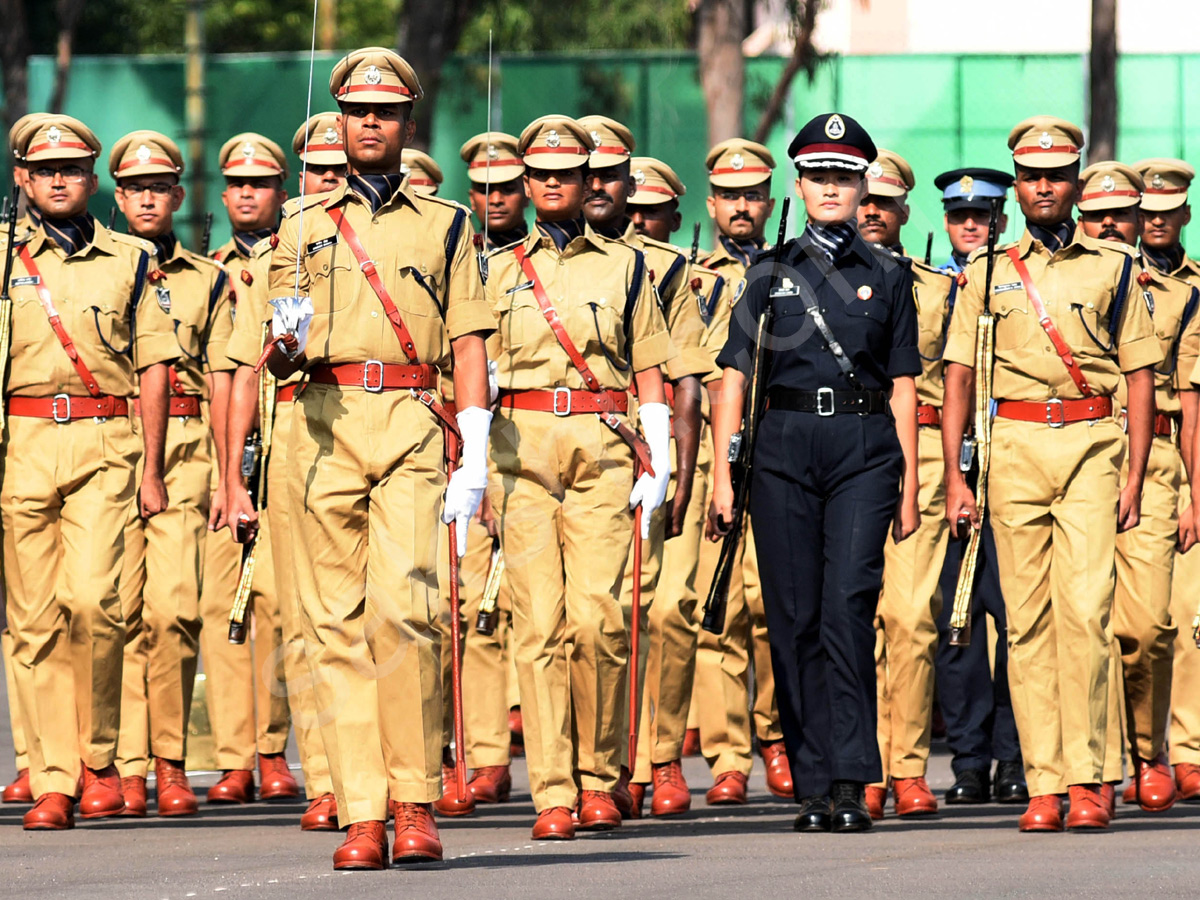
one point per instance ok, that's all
(656, 182)
(144, 153)
(424, 174)
(1167, 181)
(59, 137)
(492, 158)
(889, 175)
(1045, 142)
(613, 142)
(374, 75)
(737, 163)
(318, 142)
(250, 155)
(18, 135)
(1109, 185)
(555, 142)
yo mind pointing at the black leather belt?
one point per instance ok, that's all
(827, 401)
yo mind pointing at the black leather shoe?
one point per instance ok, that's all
(814, 815)
(971, 786)
(1010, 783)
(849, 807)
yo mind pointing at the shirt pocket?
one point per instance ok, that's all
(1015, 322)
(603, 323)
(519, 315)
(328, 266)
(105, 325)
(418, 294)
(1086, 322)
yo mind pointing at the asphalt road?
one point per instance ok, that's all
(258, 851)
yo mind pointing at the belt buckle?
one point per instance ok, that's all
(66, 401)
(562, 410)
(1062, 415)
(369, 366)
(825, 401)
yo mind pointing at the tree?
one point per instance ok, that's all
(67, 12)
(427, 33)
(14, 53)
(804, 56)
(1102, 82)
(720, 28)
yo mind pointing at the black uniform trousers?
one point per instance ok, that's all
(976, 704)
(823, 498)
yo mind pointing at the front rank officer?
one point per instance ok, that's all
(835, 466)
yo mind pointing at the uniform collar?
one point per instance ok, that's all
(498, 239)
(244, 241)
(72, 235)
(621, 230)
(1169, 261)
(741, 251)
(575, 230)
(1077, 240)
(342, 193)
(101, 240)
(167, 246)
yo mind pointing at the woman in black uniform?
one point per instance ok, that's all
(834, 466)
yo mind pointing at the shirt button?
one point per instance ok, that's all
(374, 314)
(1053, 392)
(1091, 305)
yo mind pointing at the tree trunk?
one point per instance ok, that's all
(804, 56)
(67, 12)
(14, 56)
(428, 32)
(1102, 93)
(720, 28)
(327, 32)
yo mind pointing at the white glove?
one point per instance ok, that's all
(293, 315)
(464, 493)
(651, 490)
(493, 382)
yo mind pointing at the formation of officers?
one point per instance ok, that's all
(580, 382)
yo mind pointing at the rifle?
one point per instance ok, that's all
(112, 218)
(5, 299)
(489, 612)
(694, 255)
(207, 236)
(741, 454)
(980, 447)
(929, 249)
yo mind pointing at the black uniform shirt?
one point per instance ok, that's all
(866, 297)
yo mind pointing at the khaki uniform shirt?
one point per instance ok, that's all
(733, 271)
(439, 294)
(933, 289)
(192, 291)
(1178, 342)
(253, 309)
(95, 292)
(588, 284)
(1188, 365)
(1078, 285)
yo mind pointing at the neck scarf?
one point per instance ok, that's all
(1168, 260)
(1055, 237)
(562, 232)
(244, 241)
(375, 189)
(615, 231)
(497, 239)
(71, 234)
(742, 250)
(165, 244)
(832, 240)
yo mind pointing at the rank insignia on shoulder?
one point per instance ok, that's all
(1143, 279)
(163, 295)
(274, 241)
(962, 279)
(247, 277)
(156, 276)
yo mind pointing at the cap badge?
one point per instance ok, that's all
(492, 153)
(864, 292)
(248, 150)
(596, 138)
(1107, 184)
(552, 139)
(372, 75)
(875, 170)
(330, 136)
(738, 162)
(405, 169)
(639, 177)
(54, 135)
(1158, 182)
(835, 128)
(966, 184)
(143, 154)
(1045, 141)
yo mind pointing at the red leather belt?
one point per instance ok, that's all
(566, 402)
(1056, 413)
(1164, 425)
(375, 376)
(928, 414)
(451, 409)
(286, 394)
(63, 408)
(185, 406)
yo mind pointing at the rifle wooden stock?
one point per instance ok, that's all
(241, 597)
(488, 612)
(5, 299)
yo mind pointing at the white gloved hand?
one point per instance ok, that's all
(464, 493)
(651, 490)
(493, 382)
(293, 315)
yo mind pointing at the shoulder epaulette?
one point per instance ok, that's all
(264, 247)
(293, 205)
(921, 266)
(133, 241)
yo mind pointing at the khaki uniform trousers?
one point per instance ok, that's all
(561, 495)
(1184, 734)
(1054, 499)
(365, 482)
(160, 597)
(295, 694)
(670, 638)
(240, 677)
(906, 622)
(66, 499)
(486, 666)
(15, 720)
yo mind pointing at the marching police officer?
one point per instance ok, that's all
(496, 193)
(424, 174)
(835, 466)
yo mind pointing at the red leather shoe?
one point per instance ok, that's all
(516, 732)
(875, 797)
(598, 811)
(913, 798)
(623, 799)
(554, 824)
(638, 794)
(417, 838)
(19, 790)
(133, 789)
(175, 795)
(490, 784)
(671, 794)
(1129, 795)
(691, 742)
(1089, 809)
(275, 782)
(779, 771)
(101, 793)
(1108, 796)
(449, 804)
(730, 788)
(321, 814)
(235, 786)
(1044, 813)
(1154, 784)
(51, 812)
(1187, 781)
(365, 847)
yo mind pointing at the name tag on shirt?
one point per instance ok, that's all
(318, 246)
(785, 289)
(520, 287)
(26, 279)
(1011, 286)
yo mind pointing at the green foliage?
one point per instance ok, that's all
(565, 25)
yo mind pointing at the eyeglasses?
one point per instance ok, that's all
(158, 189)
(748, 196)
(69, 174)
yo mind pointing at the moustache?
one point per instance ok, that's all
(1110, 232)
(740, 217)
(598, 195)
